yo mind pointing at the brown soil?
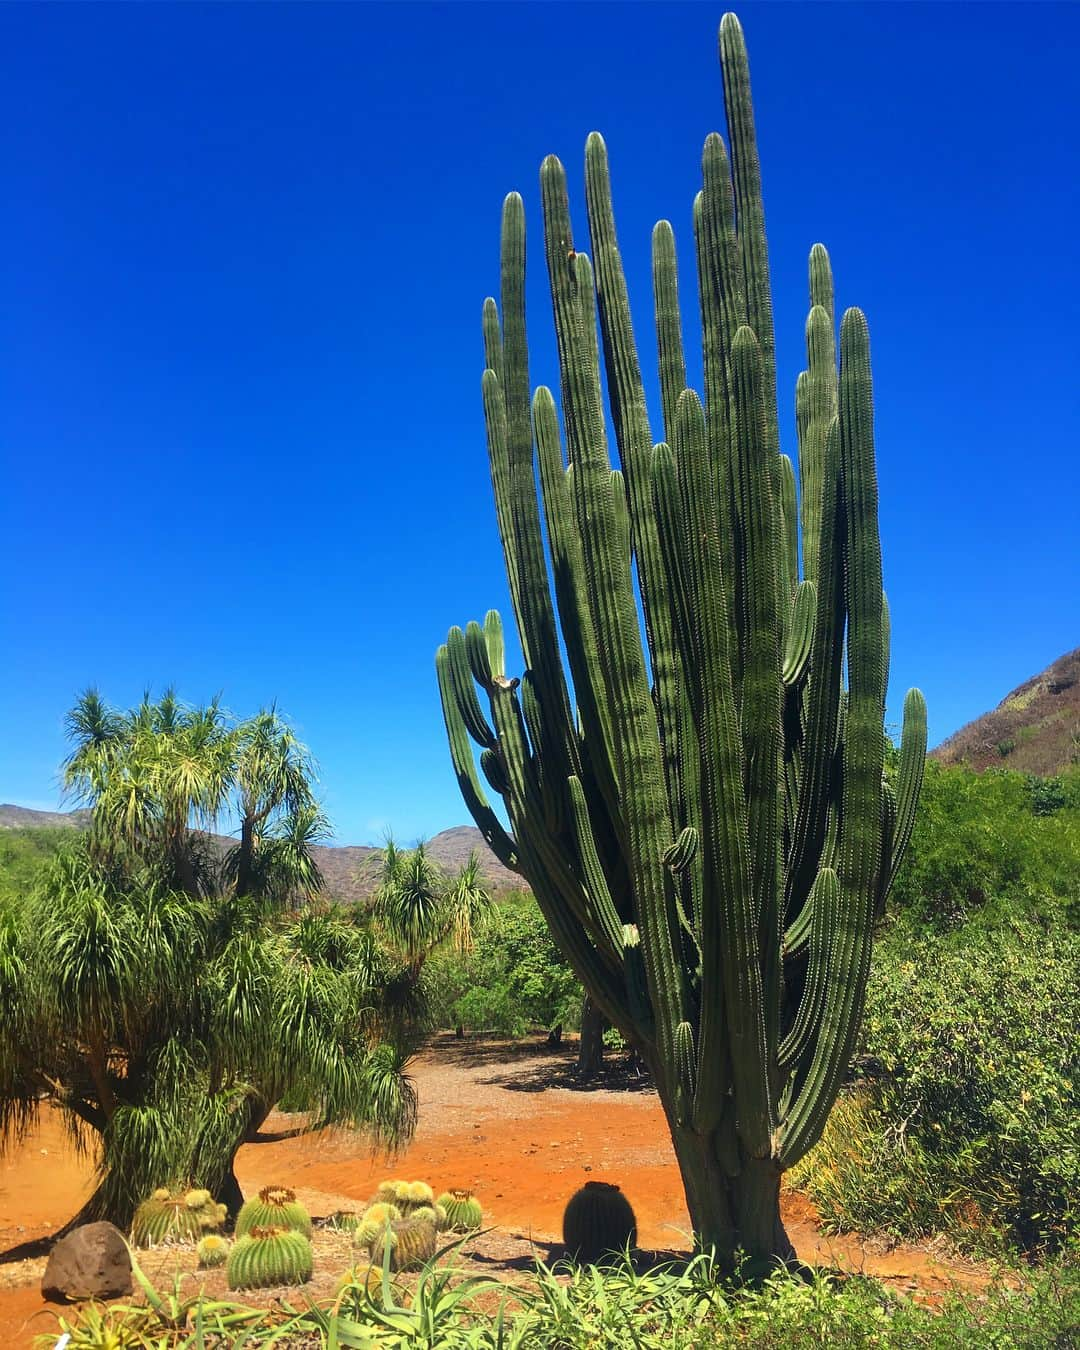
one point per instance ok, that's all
(502, 1119)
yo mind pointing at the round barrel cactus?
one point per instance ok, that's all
(411, 1243)
(166, 1217)
(266, 1257)
(598, 1220)
(273, 1207)
(464, 1212)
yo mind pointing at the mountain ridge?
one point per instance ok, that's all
(1034, 729)
(350, 871)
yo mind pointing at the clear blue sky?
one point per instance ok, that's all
(244, 249)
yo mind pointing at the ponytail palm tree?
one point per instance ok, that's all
(419, 908)
(165, 1019)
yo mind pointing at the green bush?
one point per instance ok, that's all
(994, 846)
(967, 1120)
(513, 980)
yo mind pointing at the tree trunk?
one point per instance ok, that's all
(591, 1042)
(555, 1034)
(732, 1214)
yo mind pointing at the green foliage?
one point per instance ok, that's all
(708, 831)
(267, 1257)
(598, 1221)
(967, 1120)
(516, 979)
(992, 847)
(273, 1207)
(676, 1307)
(23, 854)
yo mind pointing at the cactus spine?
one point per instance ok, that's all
(266, 1257)
(708, 832)
(273, 1207)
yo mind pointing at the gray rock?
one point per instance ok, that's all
(91, 1262)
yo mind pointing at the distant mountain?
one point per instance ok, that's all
(351, 871)
(1035, 729)
(24, 818)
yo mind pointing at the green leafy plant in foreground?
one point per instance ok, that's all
(682, 1306)
(710, 832)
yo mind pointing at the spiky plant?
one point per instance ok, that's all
(273, 1207)
(709, 832)
(598, 1221)
(166, 1217)
(411, 1242)
(212, 1250)
(464, 1213)
(266, 1257)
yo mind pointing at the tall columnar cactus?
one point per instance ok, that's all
(712, 829)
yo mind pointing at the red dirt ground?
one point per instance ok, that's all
(500, 1119)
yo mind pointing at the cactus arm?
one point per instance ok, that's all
(558, 891)
(761, 705)
(669, 340)
(822, 696)
(612, 601)
(464, 690)
(909, 780)
(863, 751)
(461, 756)
(800, 634)
(627, 397)
(820, 395)
(789, 551)
(750, 215)
(822, 909)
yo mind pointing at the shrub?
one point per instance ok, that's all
(967, 1120)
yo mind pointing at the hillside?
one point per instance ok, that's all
(1035, 729)
(351, 871)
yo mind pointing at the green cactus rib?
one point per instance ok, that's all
(464, 1213)
(273, 1207)
(182, 1217)
(707, 826)
(268, 1257)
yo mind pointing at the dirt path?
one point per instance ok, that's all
(503, 1120)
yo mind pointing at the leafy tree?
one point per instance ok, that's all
(517, 979)
(163, 995)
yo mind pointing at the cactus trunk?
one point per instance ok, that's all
(712, 830)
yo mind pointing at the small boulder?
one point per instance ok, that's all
(91, 1262)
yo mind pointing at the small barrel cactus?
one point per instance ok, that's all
(345, 1221)
(381, 1212)
(411, 1242)
(434, 1214)
(273, 1207)
(598, 1220)
(266, 1257)
(419, 1194)
(464, 1213)
(387, 1192)
(175, 1218)
(213, 1250)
